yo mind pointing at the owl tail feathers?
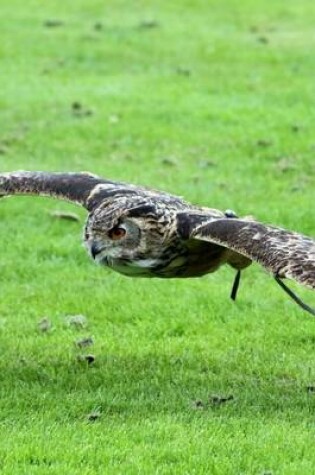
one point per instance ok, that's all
(74, 187)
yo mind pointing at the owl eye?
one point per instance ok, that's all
(117, 233)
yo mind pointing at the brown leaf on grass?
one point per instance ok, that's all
(77, 321)
(85, 342)
(198, 404)
(53, 23)
(79, 111)
(89, 359)
(169, 161)
(286, 164)
(206, 164)
(217, 400)
(44, 325)
(13, 139)
(98, 26)
(254, 29)
(94, 415)
(263, 39)
(148, 24)
(183, 71)
(214, 400)
(69, 216)
(303, 182)
(295, 128)
(263, 143)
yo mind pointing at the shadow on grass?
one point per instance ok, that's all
(145, 385)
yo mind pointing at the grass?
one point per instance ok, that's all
(209, 100)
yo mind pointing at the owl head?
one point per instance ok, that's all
(127, 232)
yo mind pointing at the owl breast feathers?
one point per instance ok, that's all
(141, 232)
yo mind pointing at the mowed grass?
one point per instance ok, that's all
(210, 100)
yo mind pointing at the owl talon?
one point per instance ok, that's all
(294, 296)
(236, 284)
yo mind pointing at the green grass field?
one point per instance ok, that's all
(210, 100)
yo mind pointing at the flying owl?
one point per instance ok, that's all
(142, 232)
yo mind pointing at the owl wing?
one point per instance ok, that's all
(80, 188)
(285, 254)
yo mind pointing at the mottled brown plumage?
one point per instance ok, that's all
(139, 231)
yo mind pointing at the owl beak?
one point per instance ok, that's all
(95, 250)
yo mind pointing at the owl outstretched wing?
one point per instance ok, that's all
(74, 187)
(83, 188)
(285, 254)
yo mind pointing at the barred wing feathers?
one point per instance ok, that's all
(284, 253)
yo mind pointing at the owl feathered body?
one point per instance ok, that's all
(142, 232)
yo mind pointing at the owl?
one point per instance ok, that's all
(142, 232)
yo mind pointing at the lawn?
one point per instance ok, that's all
(213, 101)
